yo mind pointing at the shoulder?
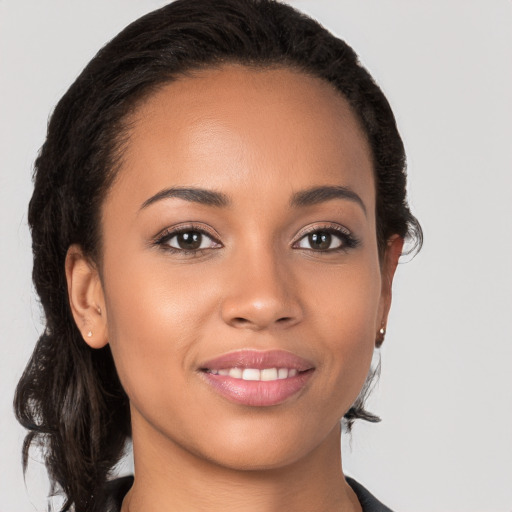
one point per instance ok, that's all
(369, 503)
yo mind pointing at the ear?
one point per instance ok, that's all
(388, 267)
(86, 297)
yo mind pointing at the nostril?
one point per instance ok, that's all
(240, 320)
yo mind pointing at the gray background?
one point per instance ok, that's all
(445, 394)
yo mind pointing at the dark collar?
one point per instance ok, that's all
(369, 503)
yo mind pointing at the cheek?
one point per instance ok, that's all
(153, 322)
(346, 318)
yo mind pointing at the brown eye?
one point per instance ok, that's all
(190, 241)
(320, 241)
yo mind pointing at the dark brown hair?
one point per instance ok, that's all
(69, 397)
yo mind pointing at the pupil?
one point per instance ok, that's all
(320, 240)
(189, 240)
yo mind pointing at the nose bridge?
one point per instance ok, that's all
(262, 292)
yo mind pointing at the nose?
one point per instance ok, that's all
(261, 294)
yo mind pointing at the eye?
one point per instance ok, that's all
(326, 239)
(187, 241)
(320, 241)
(190, 241)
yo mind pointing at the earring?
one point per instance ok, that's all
(99, 310)
(89, 334)
(380, 337)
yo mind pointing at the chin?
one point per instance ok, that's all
(255, 459)
(260, 447)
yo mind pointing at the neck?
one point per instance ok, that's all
(169, 478)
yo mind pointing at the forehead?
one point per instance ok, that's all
(239, 129)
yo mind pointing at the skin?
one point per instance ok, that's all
(258, 137)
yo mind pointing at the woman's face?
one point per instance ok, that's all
(239, 239)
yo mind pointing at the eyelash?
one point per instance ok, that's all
(348, 241)
(163, 238)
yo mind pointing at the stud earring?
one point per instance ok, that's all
(380, 337)
(99, 310)
(89, 334)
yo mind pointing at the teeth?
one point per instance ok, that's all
(251, 374)
(236, 373)
(266, 375)
(269, 374)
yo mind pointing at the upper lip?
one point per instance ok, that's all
(258, 359)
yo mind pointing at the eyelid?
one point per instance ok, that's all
(183, 227)
(322, 226)
(348, 240)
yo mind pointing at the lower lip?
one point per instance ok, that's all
(258, 393)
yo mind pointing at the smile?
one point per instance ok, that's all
(256, 378)
(266, 374)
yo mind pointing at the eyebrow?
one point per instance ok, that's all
(308, 197)
(192, 194)
(318, 195)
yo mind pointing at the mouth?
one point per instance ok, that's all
(256, 378)
(255, 374)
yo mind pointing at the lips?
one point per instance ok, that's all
(257, 378)
(259, 360)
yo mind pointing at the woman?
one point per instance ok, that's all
(218, 213)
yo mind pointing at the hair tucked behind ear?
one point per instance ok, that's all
(69, 397)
